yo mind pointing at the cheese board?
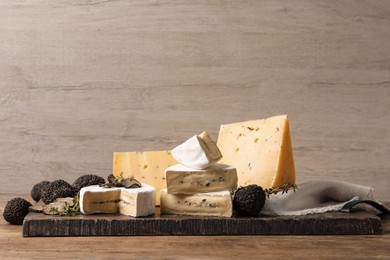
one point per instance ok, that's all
(331, 223)
(196, 195)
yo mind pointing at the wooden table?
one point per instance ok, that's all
(13, 245)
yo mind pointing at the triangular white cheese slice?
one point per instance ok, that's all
(198, 152)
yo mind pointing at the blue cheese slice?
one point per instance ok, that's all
(184, 180)
(136, 202)
(198, 152)
(199, 204)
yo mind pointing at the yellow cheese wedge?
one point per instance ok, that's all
(146, 167)
(260, 150)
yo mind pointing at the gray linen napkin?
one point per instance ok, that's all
(315, 197)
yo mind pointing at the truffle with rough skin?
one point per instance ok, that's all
(16, 210)
(36, 190)
(57, 189)
(249, 200)
(87, 180)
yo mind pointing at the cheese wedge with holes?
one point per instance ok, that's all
(199, 204)
(260, 150)
(136, 202)
(147, 167)
(198, 152)
(184, 180)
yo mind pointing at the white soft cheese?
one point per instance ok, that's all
(135, 202)
(199, 204)
(198, 152)
(184, 180)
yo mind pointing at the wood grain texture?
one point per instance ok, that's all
(337, 223)
(82, 79)
(14, 245)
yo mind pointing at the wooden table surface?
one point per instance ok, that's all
(13, 245)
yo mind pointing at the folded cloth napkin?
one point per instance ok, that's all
(315, 197)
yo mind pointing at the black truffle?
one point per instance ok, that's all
(57, 189)
(36, 190)
(16, 210)
(128, 183)
(249, 200)
(87, 180)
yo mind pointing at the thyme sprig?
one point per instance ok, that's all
(284, 188)
(68, 209)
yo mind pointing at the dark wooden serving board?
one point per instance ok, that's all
(336, 223)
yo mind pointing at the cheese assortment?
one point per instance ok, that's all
(191, 180)
(198, 152)
(260, 150)
(135, 202)
(203, 189)
(199, 204)
(147, 167)
(184, 180)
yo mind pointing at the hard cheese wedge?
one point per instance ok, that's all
(184, 180)
(260, 150)
(198, 152)
(136, 202)
(146, 167)
(199, 204)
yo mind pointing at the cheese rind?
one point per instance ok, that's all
(261, 151)
(147, 167)
(199, 204)
(136, 202)
(198, 152)
(184, 180)
(209, 146)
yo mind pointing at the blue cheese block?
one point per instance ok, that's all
(200, 204)
(184, 180)
(135, 202)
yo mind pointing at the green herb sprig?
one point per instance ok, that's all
(68, 210)
(284, 188)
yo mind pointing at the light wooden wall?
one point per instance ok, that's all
(81, 79)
